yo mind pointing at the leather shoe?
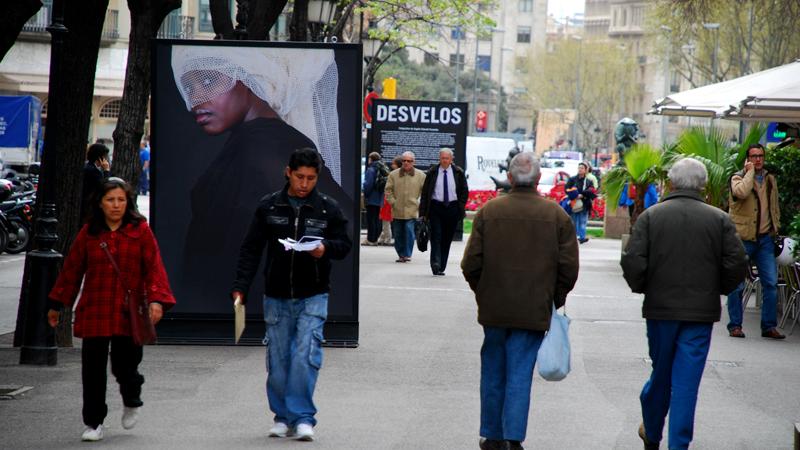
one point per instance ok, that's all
(736, 332)
(772, 333)
(491, 444)
(647, 444)
(515, 445)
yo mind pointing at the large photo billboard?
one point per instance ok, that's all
(225, 118)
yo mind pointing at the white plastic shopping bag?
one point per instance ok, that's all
(553, 357)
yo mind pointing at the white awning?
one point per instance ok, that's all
(772, 95)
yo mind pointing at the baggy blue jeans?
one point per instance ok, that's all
(507, 359)
(678, 350)
(580, 219)
(762, 253)
(294, 355)
(404, 236)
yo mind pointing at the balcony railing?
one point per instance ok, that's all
(177, 27)
(111, 25)
(38, 24)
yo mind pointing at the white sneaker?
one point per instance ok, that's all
(304, 432)
(93, 434)
(129, 417)
(279, 429)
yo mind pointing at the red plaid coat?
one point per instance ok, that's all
(100, 309)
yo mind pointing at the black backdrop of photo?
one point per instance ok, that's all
(181, 153)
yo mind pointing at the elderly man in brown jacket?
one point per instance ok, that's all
(521, 260)
(403, 189)
(683, 254)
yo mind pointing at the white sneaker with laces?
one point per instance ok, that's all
(304, 432)
(129, 417)
(279, 429)
(92, 434)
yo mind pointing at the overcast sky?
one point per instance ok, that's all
(563, 8)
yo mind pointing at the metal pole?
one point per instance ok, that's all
(38, 338)
(668, 30)
(475, 85)
(577, 94)
(458, 61)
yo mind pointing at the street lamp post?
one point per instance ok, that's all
(577, 92)
(458, 62)
(38, 344)
(715, 28)
(500, 84)
(689, 48)
(668, 31)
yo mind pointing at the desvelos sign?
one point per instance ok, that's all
(421, 127)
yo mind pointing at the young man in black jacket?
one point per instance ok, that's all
(297, 286)
(442, 204)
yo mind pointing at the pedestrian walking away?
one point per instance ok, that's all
(374, 185)
(443, 202)
(403, 189)
(682, 255)
(754, 209)
(115, 230)
(515, 293)
(296, 290)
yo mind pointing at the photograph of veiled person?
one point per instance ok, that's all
(249, 107)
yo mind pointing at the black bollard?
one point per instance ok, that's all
(38, 337)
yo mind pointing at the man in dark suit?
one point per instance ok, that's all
(444, 197)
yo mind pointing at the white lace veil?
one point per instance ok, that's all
(299, 84)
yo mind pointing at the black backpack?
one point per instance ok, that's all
(381, 177)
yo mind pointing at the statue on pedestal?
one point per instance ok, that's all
(626, 132)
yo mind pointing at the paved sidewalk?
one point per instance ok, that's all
(413, 381)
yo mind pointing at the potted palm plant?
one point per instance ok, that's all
(644, 165)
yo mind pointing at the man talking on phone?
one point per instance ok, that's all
(296, 290)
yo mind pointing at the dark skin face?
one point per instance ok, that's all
(302, 181)
(230, 108)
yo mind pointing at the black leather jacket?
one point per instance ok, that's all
(291, 274)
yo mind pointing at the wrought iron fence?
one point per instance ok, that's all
(177, 27)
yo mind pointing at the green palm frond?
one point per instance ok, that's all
(644, 164)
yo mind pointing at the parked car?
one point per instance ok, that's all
(552, 183)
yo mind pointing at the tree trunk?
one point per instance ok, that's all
(221, 19)
(298, 29)
(262, 17)
(146, 18)
(638, 203)
(69, 113)
(14, 16)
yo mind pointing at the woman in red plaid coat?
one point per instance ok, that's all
(101, 316)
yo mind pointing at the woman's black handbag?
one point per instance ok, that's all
(423, 234)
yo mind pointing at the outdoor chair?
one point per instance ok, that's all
(791, 309)
(752, 285)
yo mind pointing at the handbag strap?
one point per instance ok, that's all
(104, 246)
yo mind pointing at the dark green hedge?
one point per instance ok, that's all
(785, 164)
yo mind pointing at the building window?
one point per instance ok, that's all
(431, 59)
(457, 33)
(456, 59)
(525, 5)
(110, 110)
(204, 24)
(524, 34)
(674, 81)
(485, 63)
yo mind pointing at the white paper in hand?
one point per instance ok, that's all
(238, 319)
(304, 244)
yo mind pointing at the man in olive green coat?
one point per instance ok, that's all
(521, 260)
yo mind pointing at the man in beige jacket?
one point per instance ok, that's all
(403, 189)
(754, 210)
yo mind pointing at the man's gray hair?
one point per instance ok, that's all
(410, 154)
(524, 169)
(688, 173)
(447, 150)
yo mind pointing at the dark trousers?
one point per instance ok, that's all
(443, 220)
(125, 359)
(373, 223)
